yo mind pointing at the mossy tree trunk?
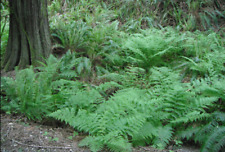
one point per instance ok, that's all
(29, 36)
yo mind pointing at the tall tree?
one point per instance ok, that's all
(29, 36)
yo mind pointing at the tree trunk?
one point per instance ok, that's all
(29, 36)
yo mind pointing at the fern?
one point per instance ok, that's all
(72, 34)
(210, 135)
(144, 116)
(108, 88)
(215, 141)
(29, 93)
(34, 93)
(95, 143)
(147, 50)
(163, 136)
(8, 92)
(123, 115)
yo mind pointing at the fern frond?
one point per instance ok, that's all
(163, 136)
(107, 85)
(118, 143)
(68, 74)
(66, 115)
(191, 117)
(220, 144)
(188, 133)
(204, 102)
(215, 141)
(219, 116)
(95, 143)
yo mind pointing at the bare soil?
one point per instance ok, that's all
(21, 135)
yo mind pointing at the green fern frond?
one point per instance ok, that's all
(204, 131)
(107, 85)
(220, 144)
(69, 74)
(204, 102)
(113, 77)
(163, 136)
(215, 141)
(191, 117)
(148, 130)
(219, 116)
(118, 143)
(66, 115)
(188, 133)
(95, 143)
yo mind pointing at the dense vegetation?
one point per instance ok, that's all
(129, 73)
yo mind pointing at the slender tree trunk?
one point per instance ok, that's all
(29, 36)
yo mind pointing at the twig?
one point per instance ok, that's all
(45, 147)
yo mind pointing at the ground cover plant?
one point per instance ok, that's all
(128, 76)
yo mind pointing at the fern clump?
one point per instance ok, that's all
(114, 121)
(204, 53)
(210, 135)
(151, 48)
(35, 93)
(209, 132)
(28, 94)
(70, 34)
(139, 116)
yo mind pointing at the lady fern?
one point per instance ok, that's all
(140, 116)
(208, 130)
(124, 114)
(152, 47)
(210, 135)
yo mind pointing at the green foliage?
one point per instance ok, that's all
(188, 15)
(125, 84)
(32, 93)
(205, 53)
(67, 66)
(74, 67)
(142, 116)
(116, 119)
(4, 33)
(28, 94)
(209, 135)
(153, 47)
(70, 34)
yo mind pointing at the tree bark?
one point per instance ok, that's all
(29, 36)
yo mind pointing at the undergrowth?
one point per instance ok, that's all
(124, 82)
(144, 102)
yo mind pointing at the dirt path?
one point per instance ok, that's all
(20, 135)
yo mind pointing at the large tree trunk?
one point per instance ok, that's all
(29, 36)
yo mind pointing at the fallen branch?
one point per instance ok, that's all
(45, 147)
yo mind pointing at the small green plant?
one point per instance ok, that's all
(74, 135)
(45, 134)
(53, 139)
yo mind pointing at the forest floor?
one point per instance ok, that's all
(18, 134)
